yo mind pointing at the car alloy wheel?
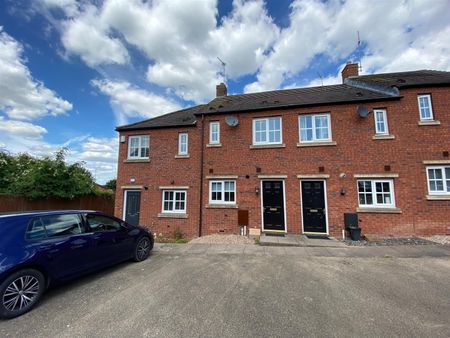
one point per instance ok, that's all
(143, 248)
(21, 293)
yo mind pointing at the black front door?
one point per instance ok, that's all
(132, 206)
(313, 201)
(273, 205)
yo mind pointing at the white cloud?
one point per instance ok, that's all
(397, 36)
(22, 129)
(70, 7)
(21, 96)
(180, 38)
(130, 101)
(88, 37)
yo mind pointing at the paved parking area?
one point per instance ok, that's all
(251, 291)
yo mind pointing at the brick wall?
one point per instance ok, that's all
(355, 152)
(163, 169)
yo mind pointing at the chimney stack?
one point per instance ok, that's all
(221, 90)
(350, 69)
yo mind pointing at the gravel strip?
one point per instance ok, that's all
(391, 241)
(445, 240)
(223, 239)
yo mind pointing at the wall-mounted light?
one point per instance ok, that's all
(343, 191)
(133, 180)
(257, 191)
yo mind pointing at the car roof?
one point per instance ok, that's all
(43, 213)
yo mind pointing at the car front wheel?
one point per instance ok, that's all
(143, 248)
(20, 292)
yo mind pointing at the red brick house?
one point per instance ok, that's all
(294, 161)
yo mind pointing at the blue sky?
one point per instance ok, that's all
(71, 71)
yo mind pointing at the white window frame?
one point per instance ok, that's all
(374, 193)
(139, 137)
(267, 131)
(313, 119)
(385, 122)
(180, 144)
(211, 124)
(445, 186)
(222, 200)
(428, 97)
(173, 210)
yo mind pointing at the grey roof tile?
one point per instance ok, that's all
(356, 89)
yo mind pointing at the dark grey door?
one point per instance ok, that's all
(132, 206)
(313, 201)
(273, 205)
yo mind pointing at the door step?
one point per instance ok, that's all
(317, 237)
(275, 234)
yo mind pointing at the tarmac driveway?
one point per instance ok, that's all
(248, 291)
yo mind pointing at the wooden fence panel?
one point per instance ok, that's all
(10, 203)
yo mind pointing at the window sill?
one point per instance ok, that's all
(169, 215)
(183, 156)
(267, 146)
(140, 160)
(438, 197)
(380, 210)
(221, 206)
(316, 144)
(429, 123)
(383, 137)
(213, 145)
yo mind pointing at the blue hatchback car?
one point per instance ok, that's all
(38, 249)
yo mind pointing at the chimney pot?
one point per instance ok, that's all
(221, 90)
(350, 69)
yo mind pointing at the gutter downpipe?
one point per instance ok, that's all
(200, 218)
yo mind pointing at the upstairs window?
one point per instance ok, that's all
(182, 144)
(381, 126)
(222, 192)
(138, 147)
(315, 128)
(439, 180)
(376, 193)
(425, 108)
(214, 133)
(267, 131)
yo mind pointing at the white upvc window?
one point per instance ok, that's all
(174, 201)
(315, 128)
(138, 147)
(267, 131)
(214, 132)
(183, 144)
(425, 107)
(381, 124)
(222, 192)
(438, 180)
(376, 193)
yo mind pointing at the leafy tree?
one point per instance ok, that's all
(33, 177)
(111, 184)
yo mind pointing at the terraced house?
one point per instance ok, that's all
(294, 161)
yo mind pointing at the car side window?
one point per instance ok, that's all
(36, 229)
(62, 225)
(99, 223)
